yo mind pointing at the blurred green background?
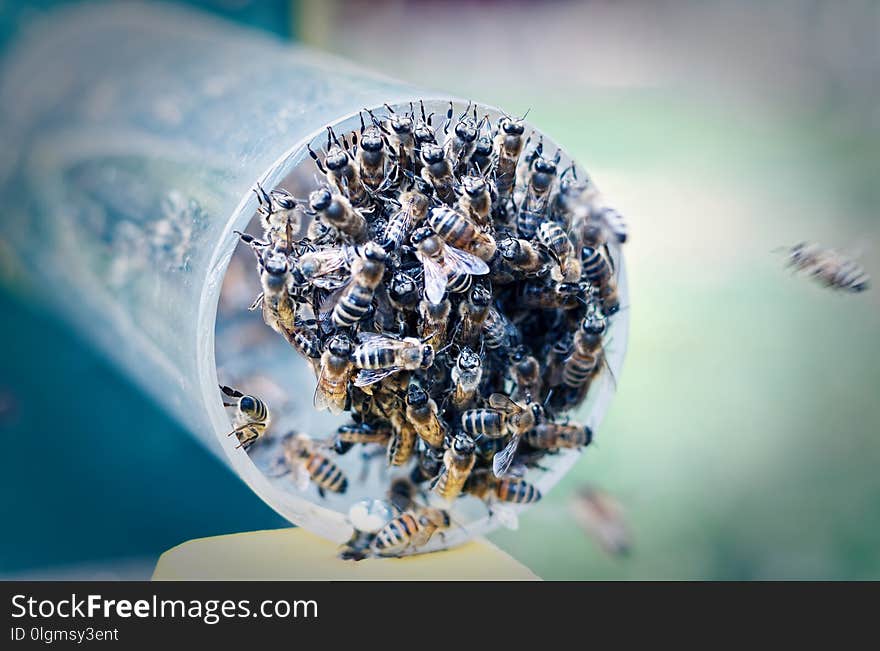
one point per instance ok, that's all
(744, 441)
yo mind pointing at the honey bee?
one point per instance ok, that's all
(401, 494)
(485, 486)
(586, 356)
(508, 147)
(252, 417)
(484, 422)
(434, 321)
(541, 178)
(458, 461)
(526, 373)
(437, 170)
(828, 267)
(497, 330)
(602, 518)
(320, 267)
(421, 411)
(372, 156)
(409, 530)
(523, 256)
(401, 127)
(403, 292)
(466, 374)
(458, 231)
(597, 269)
(483, 158)
(553, 436)
(440, 261)
(460, 144)
(402, 441)
(337, 211)
(367, 272)
(363, 433)
(378, 356)
(277, 210)
(519, 418)
(552, 295)
(429, 463)
(557, 355)
(556, 241)
(336, 369)
(340, 168)
(476, 199)
(310, 466)
(413, 207)
(308, 344)
(279, 310)
(473, 312)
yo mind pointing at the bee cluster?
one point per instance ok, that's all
(451, 290)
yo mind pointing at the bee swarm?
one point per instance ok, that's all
(451, 290)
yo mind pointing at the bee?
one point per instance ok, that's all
(441, 261)
(586, 356)
(597, 270)
(403, 292)
(551, 295)
(429, 463)
(519, 418)
(483, 159)
(340, 168)
(485, 486)
(320, 233)
(602, 518)
(553, 436)
(472, 313)
(413, 207)
(401, 494)
(523, 256)
(556, 241)
(372, 156)
(828, 267)
(460, 144)
(367, 272)
(378, 356)
(466, 374)
(508, 146)
(541, 178)
(526, 372)
(412, 529)
(476, 199)
(497, 330)
(401, 136)
(338, 211)
(320, 267)
(458, 231)
(252, 417)
(402, 441)
(489, 423)
(421, 411)
(557, 355)
(355, 433)
(279, 310)
(438, 171)
(336, 369)
(308, 344)
(434, 321)
(458, 461)
(309, 466)
(277, 210)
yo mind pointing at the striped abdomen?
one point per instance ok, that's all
(595, 267)
(401, 444)
(453, 227)
(397, 533)
(517, 491)
(458, 283)
(483, 422)
(326, 474)
(353, 305)
(580, 367)
(370, 357)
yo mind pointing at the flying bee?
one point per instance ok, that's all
(378, 356)
(341, 169)
(367, 272)
(598, 271)
(460, 232)
(553, 436)
(421, 411)
(458, 461)
(403, 292)
(372, 156)
(277, 209)
(338, 212)
(476, 199)
(485, 486)
(526, 372)
(472, 313)
(460, 144)
(466, 374)
(508, 146)
(519, 418)
(252, 417)
(523, 256)
(441, 261)
(307, 465)
(411, 529)
(434, 321)
(556, 241)
(603, 519)
(401, 136)
(336, 369)
(414, 204)
(828, 267)
(437, 170)
(541, 178)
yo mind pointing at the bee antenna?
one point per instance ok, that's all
(526, 113)
(549, 395)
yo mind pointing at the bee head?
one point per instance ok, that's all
(466, 130)
(483, 147)
(336, 159)
(481, 296)
(510, 248)
(427, 356)
(422, 186)
(512, 127)
(588, 435)
(416, 396)
(320, 199)
(463, 444)
(473, 185)
(424, 237)
(248, 404)
(340, 446)
(544, 166)
(401, 124)
(432, 154)
(375, 252)
(518, 354)
(283, 199)
(468, 359)
(340, 346)
(372, 140)
(593, 324)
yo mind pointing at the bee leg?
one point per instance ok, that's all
(229, 391)
(322, 492)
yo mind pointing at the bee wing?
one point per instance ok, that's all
(403, 220)
(502, 460)
(373, 340)
(366, 377)
(501, 402)
(321, 400)
(331, 300)
(506, 516)
(435, 279)
(464, 262)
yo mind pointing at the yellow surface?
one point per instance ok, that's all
(295, 554)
